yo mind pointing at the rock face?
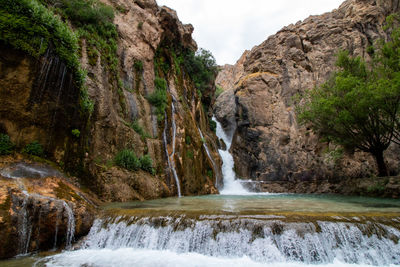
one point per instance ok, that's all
(268, 144)
(36, 105)
(39, 213)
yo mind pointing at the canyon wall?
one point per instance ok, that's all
(269, 145)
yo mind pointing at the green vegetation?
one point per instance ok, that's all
(140, 25)
(359, 106)
(138, 65)
(159, 97)
(188, 140)
(34, 148)
(190, 154)
(76, 133)
(6, 146)
(127, 159)
(219, 90)
(139, 129)
(210, 173)
(146, 164)
(201, 67)
(213, 125)
(29, 26)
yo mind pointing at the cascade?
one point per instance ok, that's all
(170, 157)
(243, 240)
(215, 167)
(232, 186)
(29, 220)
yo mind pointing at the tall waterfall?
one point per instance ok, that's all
(232, 186)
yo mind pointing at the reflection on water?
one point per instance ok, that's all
(264, 204)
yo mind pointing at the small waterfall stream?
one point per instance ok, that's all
(232, 186)
(215, 167)
(170, 157)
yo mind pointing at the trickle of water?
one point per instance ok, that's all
(70, 225)
(170, 162)
(231, 185)
(24, 226)
(215, 167)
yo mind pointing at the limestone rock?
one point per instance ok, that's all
(268, 144)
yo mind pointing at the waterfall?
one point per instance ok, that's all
(215, 167)
(232, 186)
(27, 218)
(242, 240)
(170, 158)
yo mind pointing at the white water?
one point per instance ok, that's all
(232, 186)
(170, 158)
(167, 241)
(215, 167)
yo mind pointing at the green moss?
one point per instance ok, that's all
(34, 148)
(139, 129)
(159, 97)
(189, 154)
(6, 146)
(63, 191)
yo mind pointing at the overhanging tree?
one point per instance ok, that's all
(359, 106)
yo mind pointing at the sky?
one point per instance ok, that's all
(228, 27)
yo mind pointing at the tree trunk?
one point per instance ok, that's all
(382, 169)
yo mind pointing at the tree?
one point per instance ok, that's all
(358, 107)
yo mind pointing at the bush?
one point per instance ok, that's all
(213, 126)
(127, 160)
(147, 164)
(76, 133)
(6, 146)
(159, 97)
(218, 91)
(138, 65)
(34, 148)
(139, 129)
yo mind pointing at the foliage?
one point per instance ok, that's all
(31, 27)
(34, 148)
(6, 146)
(140, 25)
(201, 67)
(190, 154)
(76, 133)
(127, 159)
(139, 129)
(210, 173)
(159, 97)
(138, 65)
(213, 125)
(147, 164)
(219, 90)
(359, 106)
(188, 140)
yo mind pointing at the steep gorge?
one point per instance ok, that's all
(269, 146)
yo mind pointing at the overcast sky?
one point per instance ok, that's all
(228, 27)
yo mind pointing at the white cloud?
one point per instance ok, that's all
(228, 27)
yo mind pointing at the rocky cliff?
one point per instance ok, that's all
(135, 129)
(268, 144)
(41, 102)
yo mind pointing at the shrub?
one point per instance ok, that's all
(188, 140)
(127, 160)
(218, 91)
(140, 25)
(190, 154)
(213, 125)
(147, 164)
(139, 129)
(76, 133)
(138, 65)
(6, 146)
(210, 174)
(34, 148)
(159, 97)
